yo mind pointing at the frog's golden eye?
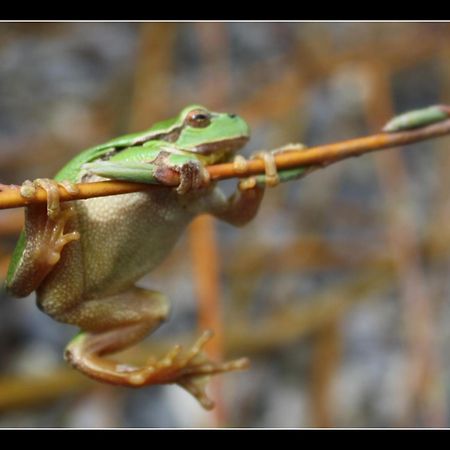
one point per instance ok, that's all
(198, 118)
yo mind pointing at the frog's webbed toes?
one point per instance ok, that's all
(57, 239)
(191, 370)
(51, 239)
(29, 188)
(271, 172)
(193, 176)
(49, 228)
(270, 178)
(198, 375)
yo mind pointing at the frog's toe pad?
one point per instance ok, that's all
(51, 238)
(191, 370)
(28, 190)
(193, 176)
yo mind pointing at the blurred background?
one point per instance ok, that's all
(338, 291)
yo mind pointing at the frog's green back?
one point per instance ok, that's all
(72, 169)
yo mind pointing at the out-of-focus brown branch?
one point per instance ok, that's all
(295, 156)
(423, 371)
(215, 87)
(325, 360)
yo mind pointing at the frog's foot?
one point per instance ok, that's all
(271, 177)
(49, 229)
(190, 370)
(193, 176)
(29, 188)
(44, 249)
(51, 239)
(297, 172)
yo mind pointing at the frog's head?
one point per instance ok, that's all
(211, 133)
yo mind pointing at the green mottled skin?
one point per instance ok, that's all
(219, 129)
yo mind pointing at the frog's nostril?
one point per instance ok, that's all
(232, 115)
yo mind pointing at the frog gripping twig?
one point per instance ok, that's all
(84, 257)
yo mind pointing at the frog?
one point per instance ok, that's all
(84, 258)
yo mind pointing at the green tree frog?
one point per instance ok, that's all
(83, 257)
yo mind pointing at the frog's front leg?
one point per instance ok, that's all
(273, 176)
(114, 323)
(162, 167)
(44, 236)
(242, 206)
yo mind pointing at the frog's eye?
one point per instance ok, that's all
(198, 118)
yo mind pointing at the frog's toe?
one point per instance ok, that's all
(270, 177)
(193, 176)
(198, 372)
(191, 370)
(51, 238)
(271, 173)
(197, 388)
(28, 190)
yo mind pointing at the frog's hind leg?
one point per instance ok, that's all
(110, 325)
(115, 323)
(48, 229)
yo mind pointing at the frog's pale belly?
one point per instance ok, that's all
(123, 237)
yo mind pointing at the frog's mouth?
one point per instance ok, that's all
(224, 147)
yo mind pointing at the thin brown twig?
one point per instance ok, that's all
(295, 156)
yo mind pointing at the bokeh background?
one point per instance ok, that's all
(338, 291)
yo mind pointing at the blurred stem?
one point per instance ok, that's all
(214, 88)
(18, 392)
(423, 368)
(326, 355)
(151, 90)
(205, 266)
